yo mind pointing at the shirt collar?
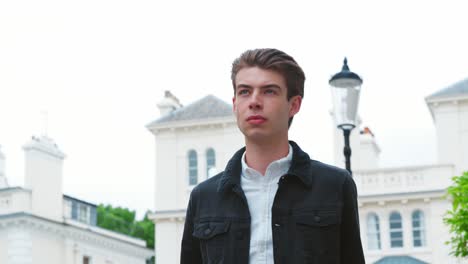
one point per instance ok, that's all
(301, 167)
(284, 162)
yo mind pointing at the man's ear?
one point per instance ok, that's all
(233, 104)
(294, 105)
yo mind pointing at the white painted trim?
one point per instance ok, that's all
(75, 232)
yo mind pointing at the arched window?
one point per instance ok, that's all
(210, 161)
(373, 232)
(396, 230)
(419, 232)
(193, 167)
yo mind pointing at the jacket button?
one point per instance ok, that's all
(317, 218)
(207, 231)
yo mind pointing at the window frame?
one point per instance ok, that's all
(421, 228)
(395, 230)
(209, 158)
(192, 166)
(373, 235)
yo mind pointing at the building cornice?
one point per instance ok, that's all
(403, 168)
(177, 215)
(447, 99)
(186, 124)
(14, 189)
(83, 234)
(402, 197)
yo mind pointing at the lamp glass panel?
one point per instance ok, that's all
(345, 102)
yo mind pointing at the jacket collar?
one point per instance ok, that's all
(300, 168)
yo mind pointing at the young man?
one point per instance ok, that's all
(272, 204)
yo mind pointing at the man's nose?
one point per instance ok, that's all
(255, 100)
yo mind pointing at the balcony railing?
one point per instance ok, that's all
(403, 179)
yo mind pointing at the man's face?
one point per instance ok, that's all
(261, 106)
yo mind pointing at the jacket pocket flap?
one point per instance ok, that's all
(318, 218)
(208, 230)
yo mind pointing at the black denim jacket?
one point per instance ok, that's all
(314, 217)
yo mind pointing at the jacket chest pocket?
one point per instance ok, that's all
(318, 235)
(213, 239)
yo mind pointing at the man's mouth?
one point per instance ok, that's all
(256, 119)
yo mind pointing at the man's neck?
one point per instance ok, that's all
(259, 155)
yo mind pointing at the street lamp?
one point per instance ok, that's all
(345, 86)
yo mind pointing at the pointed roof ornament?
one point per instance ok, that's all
(345, 73)
(345, 65)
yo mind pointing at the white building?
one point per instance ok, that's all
(192, 143)
(401, 209)
(38, 224)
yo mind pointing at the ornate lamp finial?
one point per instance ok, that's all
(345, 65)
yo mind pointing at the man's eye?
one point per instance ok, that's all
(243, 92)
(270, 91)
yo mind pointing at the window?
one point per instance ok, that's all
(86, 260)
(210, 161)
(419, 232)
(396, 230)
(193, 167)
(373, 232)
(83, 213)
(80, 212)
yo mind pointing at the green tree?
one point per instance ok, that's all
(123, 221)
(457, 218)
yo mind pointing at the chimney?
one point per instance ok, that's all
(168, 104)
(43, 176)
(369, 150)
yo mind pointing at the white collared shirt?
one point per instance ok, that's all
(260, 192)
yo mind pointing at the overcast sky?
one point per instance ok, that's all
(98, 68)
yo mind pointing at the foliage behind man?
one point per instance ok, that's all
(457, 218)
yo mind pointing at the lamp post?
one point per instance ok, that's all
(345, 86)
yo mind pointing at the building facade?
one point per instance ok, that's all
(38, 224)
(193, 142)
(401, 209)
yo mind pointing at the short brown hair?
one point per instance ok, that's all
(276, 60)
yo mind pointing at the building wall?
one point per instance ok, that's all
(439, 232)
(15, 200)
(172, 188)
(436, 232)
(19, 246)
(168, 242)
(451, 122)
(29, 240)
(47, 247)
(3, 246)
(101, 255)
(405, 208)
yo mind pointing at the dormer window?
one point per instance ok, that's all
(83, 215)
(80, 211)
